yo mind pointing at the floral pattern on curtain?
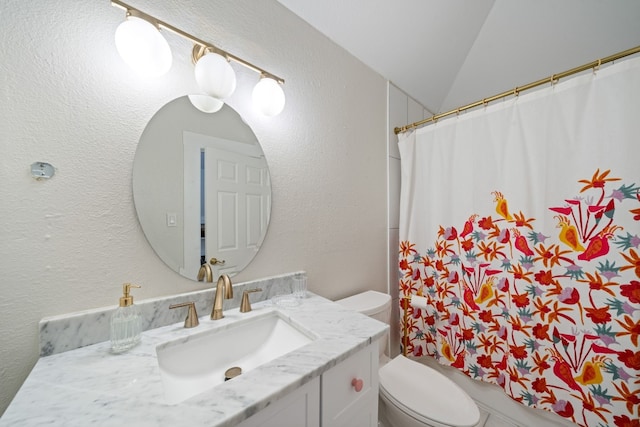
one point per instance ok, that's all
(516, 307)
(539, 295)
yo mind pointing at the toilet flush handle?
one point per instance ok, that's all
(357, 383)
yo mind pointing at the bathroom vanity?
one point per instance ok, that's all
(329, 380)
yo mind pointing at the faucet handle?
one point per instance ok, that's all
(245, 304)
(192, 315)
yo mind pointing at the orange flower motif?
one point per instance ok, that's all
(634, 262)
(541, 362)
(631, 397)
(522, 221)
(597, 180)
(596, 284)
(632, 329)
(407, 249)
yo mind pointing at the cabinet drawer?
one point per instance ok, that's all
(339, 395)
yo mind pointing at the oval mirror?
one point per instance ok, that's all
(201, 188)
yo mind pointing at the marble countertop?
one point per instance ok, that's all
(92, 386)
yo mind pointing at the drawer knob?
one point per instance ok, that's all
(357, 384)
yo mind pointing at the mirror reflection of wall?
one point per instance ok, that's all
(201, 188)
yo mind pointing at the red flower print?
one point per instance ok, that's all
(486, 223)
(631, 291)
(544, 277)
(440, 306)
(599, 315)
(430, 320)
(404, 265)
(518, 351)
(541, 331)
(502, 333)
(540, 385)
(569, 296)
(467, 245)
(625, 421)
(468, 334)
(563, 408)
(450, 233)
(486, 316)
(429, 281)
(485, 361)
(630, 359)
(520, 300)
(454, 319)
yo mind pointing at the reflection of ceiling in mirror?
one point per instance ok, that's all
(163, 187)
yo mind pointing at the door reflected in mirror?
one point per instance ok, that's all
(201, 188)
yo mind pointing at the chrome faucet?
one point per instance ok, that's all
(224, 290)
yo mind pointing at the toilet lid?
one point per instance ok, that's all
(427, 393)
(369, 302)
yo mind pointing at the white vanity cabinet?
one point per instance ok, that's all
(350, 391)
(344, 396)
(298, 409)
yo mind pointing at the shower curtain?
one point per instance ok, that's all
(520, 226)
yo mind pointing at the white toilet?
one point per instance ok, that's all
(413, 394)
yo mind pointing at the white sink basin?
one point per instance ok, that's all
(198, 363)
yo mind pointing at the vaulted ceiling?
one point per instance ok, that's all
(448, 53)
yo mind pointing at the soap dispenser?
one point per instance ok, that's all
(126, 322)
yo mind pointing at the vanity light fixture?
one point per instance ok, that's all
(143, 48)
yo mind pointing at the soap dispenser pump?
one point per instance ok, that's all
(126, 322)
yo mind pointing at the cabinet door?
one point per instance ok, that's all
(300, 408)
(350, 391)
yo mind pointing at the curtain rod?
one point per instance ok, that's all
(516, 91)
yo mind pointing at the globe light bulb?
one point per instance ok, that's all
(143, 48)
(268, 97)
(215, 76)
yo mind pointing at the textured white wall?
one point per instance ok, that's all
(67, 244)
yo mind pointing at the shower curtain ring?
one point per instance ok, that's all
(597, 66)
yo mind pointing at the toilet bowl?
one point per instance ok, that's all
(413, 394)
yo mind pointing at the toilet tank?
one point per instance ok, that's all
(372, 303)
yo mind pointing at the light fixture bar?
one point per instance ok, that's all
(130, 10)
